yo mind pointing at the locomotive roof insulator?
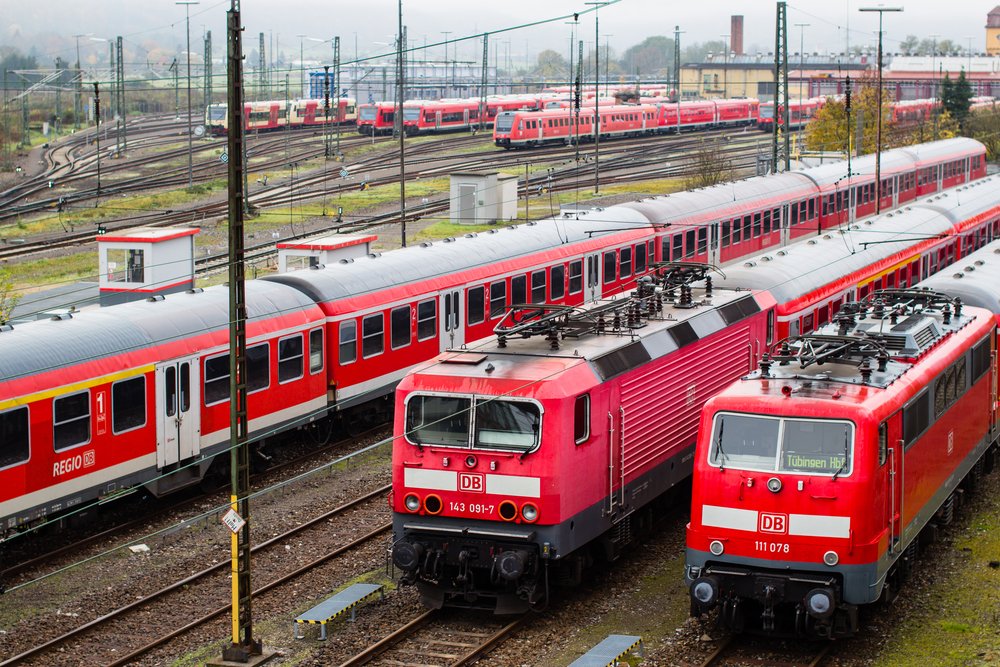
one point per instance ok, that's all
(958, 306)
(946, 313)
(878, 308)
(765, 365)
(883, 361)
(866, 370)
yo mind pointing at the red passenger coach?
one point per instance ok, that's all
(816, 476)
(443, 116)
(138, 394)
(518, 460)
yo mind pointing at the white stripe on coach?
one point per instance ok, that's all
(514, 485)
(729, 517)
(438, 480)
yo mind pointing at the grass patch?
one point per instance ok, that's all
(44, 273)
(956, 621)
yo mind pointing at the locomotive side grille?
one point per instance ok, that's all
(679, 397)
(925, 336)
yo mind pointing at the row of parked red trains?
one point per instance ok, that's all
(520, 459)
(135, 396)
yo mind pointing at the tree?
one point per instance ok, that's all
(710, 164)
(910, 45)
(828, 131)
(653, 57)
(551, 65)
(8, 299)
(956, 97)
(984, 125)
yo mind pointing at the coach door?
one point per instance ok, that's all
(452, 334)
(178, 423)
(713, 244)
(784, 226)
(592, 279)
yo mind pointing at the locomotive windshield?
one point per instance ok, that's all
(766, 111)
(411, 114)
(504, 121)
(367, 113)
(216, 112)
(479, 423)
(774, 444)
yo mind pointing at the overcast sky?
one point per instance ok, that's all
(46, 24)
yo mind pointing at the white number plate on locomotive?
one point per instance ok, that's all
(771, 547)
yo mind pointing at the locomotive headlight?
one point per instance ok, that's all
(831, 558)
(470, 461)
(411, 502)
(716, 548)
(774, 485)
(819, 602)
(529, 512)
(705, 590)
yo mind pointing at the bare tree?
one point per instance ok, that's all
(710, 164)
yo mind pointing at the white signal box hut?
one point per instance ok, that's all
(295, 255)
(479, 198)
(145, 262)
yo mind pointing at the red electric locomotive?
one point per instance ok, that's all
(487, 437)
(815, 476)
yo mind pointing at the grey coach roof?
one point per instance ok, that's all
(91, 334)
(975, 278)
(442, 258)
(801, 267)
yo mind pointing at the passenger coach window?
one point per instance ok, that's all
(315, 350)
(399, 323)
(625, 261)
(476, 307)
(426, 319)
(640, 258)
(576, 276)
(372, 328)
(498, 299)
(128, 405)
(610, 267)
(538, 286)
(290, 358)
(14, 444)
(689, 243)
(217, 379)
(581, 419)
(71, 420)
(557, 282)
(518, 290)
(258, 367)
(348, 342)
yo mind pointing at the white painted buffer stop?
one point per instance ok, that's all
(306, 253)
(145, 262)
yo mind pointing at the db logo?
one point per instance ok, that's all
(773, 523)
(472, 482)
(88, 458)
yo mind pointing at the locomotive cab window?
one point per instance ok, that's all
(71, 420)
(14, 444)
(482, 422)
(776, 444)
(581, 419)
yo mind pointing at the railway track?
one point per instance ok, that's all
(437, 639)
(736, 650)
(203, 594)
(138, 520)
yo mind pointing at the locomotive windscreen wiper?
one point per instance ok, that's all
(718, 442)
(847, 449)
